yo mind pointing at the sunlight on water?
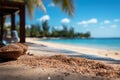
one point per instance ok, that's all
(102, 43)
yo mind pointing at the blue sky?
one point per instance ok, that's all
(100, 17)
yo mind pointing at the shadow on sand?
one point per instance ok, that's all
(76, 54)
(19, 73)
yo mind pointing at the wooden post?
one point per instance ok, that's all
(1, 30)
(13, 22)
(22, 24)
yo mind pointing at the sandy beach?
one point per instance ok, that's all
(84, 50)
(39, 42)
(46, 61)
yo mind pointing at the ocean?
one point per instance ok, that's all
(99, 43)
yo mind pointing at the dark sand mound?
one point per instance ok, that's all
(71, 64)
(12, 51)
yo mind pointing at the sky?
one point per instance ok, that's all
(100, 17)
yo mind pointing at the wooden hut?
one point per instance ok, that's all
(11, 8)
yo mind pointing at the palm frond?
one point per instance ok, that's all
(66, 5)
(30, 7)
(40, 4)
(31, 4)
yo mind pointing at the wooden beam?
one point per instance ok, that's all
(22, 24)
(7, 7)
(11, 3)
(8, 10)
(8, 13)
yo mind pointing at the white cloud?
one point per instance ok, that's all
(92, 21)
(85, 23)
(106, 22)
(82, 23)
(7, 24)
(44, 18)
(51, 5)
(113, 26)
(65, 20)
(116, 20)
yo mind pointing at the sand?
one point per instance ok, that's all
(43, 62)
(57, 67)
(84, 50)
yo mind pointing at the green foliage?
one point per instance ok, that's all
(83, 35)
(87, 35)
(54, 33)
(68, 33)
(45, 28)
(64, 32)
(71, 33)
(35, 31)
(44, 31)
(28, 31)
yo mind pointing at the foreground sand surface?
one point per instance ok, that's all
(44, 62)
(57, 67)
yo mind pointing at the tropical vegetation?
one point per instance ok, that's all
(44, 30)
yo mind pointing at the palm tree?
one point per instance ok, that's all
(66, 5)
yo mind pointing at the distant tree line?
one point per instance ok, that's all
(43, 30)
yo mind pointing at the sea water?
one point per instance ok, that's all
(100, 43)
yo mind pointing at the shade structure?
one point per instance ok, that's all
(11, 8)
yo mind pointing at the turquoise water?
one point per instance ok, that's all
(100, 43)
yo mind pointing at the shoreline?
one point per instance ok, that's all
(84, 50)
(86, 45)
